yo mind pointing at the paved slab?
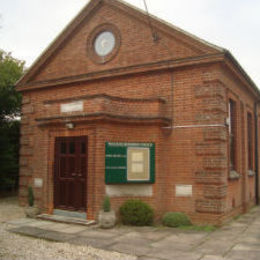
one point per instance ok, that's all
(212, 257)
(173, 254)
(27, 230)
(95, 242)
(131, 249)
(21, 221)
(99, 235)
(55, 236)
(237, 240)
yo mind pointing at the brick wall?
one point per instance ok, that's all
(195, 152)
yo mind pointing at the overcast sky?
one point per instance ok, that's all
(28, 26)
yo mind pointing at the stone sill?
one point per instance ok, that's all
(233, 175)
(250, 173)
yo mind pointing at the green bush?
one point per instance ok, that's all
(30, 196)
(175, 219)
(136, 213)
(106, 204)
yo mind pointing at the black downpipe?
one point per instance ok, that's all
(256, 157)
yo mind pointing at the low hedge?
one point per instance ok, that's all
(136, 213)
(175, 219)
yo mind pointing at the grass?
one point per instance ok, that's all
(237, 217)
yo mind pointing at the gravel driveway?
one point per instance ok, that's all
(14, 246)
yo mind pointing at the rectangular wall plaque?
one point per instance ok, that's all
(72, 107)
(38, 182)
(183, 190)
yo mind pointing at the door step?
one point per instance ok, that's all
(67, 219)
(71, 214)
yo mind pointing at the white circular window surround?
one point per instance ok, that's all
(103, 43)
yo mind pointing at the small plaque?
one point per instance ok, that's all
(71, 107)
(38, 182)
(183, 190)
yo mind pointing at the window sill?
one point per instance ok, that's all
(250, 173)
(233, 175)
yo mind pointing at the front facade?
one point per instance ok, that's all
(113, 109)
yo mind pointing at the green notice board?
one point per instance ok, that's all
(116, 162)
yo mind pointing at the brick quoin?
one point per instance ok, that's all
(173, 92)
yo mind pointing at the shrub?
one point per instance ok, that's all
(136, 213)
(30, 196)
(106, 204)
(175, 219)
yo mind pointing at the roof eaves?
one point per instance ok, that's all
(229, 55)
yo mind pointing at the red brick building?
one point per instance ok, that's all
(115, 106)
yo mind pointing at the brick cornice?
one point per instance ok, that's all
(115, 98)
(128, 70)
(104, 117)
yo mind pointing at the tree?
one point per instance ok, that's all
(11, 70)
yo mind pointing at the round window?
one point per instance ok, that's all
(104, 43)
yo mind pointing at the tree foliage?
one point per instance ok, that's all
(11, 70)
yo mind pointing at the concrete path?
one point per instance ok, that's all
(239, 240)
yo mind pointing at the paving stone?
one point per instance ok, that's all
(214, 247)
(247, 246)
(132, 238)
(181, 242)
(95, 242)
(57, 226)
(225, 235)
(148, 258)
(155, 235)
(248, 239)
(55, 236)
(40, 223)
(137, 249)
(74, 229)
(103, 234)
(28, 231)
(243, 255)
(165, 244)
(172, 254)
(21, 221)
(212, 257)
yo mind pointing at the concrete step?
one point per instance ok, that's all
(67, 219)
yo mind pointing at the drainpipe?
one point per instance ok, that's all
(256, 156)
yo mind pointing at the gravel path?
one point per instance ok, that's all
(14, 246)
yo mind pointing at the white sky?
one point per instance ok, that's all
(28, 26)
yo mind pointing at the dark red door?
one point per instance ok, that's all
(70, 171)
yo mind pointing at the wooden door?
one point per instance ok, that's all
(70, 173)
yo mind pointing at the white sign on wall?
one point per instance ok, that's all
(38, 182)
(183, 190)
(71, 107)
